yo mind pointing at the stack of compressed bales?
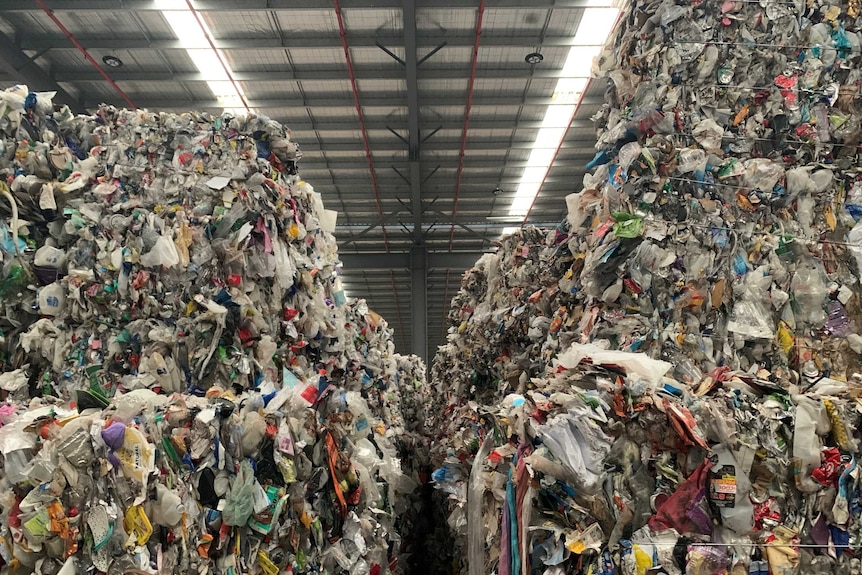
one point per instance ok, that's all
(175, 354)
(668, 381)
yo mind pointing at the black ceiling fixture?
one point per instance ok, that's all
(112, 61)
(533, 58)
(497, 191)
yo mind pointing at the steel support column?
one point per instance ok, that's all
(412, 69)
(418, 254)
(419, 302)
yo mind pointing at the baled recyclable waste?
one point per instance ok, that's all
(669, 381)
(185, 387)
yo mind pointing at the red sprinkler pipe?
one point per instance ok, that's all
(466, 119)
(224, 65)
(361, 120)
(86, 54)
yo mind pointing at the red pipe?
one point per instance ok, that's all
(224, 65)
(86, 54)
(361, 120)
(467, 119)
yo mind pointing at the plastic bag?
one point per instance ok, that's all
(810, 290)
(708, 134)
(652, 370)
(164, 253)
(750, 315)
(580, 444)
(239, 504)
(475, 521)
(691, 160)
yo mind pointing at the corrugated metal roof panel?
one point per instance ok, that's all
(500, 84)
(32, 22)
(98, 24)
(458, 86)
(542, 87)
(293, 21)
(316, 56)
(329, 87)
(98, 90)
(386, 21)
(161, 90)
(66, 60)
(501, 133)
(155, 26)
(72, 89)
(446, 20)
(373, 55)
(309, 135)
(257, 60)
(197, 90)
(503, 56)
(394, 86)
(268, 90)
(335, 112)
(514, 21)
(288, 115)
(564, 22)
(452, 55)
(484, 154)
(6, 27)
(236, 24)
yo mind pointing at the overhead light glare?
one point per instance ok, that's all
(597, 23)
(193, 35)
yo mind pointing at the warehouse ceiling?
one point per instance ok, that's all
(416, 118)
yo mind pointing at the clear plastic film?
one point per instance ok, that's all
(475, 520)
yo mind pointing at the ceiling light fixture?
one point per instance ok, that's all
(112, 61)
(533, 58)
(597, 23)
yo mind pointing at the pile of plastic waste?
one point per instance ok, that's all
(182, 378)
(668, 382)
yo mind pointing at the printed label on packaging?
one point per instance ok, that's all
(722, 486)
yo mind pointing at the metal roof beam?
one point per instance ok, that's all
(469, 162)
(401, 260)
(286, 5)
(370, 100)
(468, 182)
(411, 68)
(418, 293)
(334, 74)
(338, 124)
(24, 70)
(300, 41)
(434, 146)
